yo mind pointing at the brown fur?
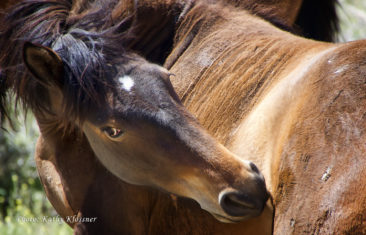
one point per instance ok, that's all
(65, 192)
(122, 208)
(7, 3)
(330, 130)
(318, 122)
(311, 18)
(248, 61)
(282, 14)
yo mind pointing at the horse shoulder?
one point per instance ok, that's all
(264, 128)
(322, 162)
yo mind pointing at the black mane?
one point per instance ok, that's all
(88, 42)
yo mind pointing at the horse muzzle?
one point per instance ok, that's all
(244, 201)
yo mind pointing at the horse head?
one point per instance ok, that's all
(139, 130)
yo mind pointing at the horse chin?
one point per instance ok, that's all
(226, 218)
(229, 219)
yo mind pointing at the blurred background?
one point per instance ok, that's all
(352, 14)
(21, 194)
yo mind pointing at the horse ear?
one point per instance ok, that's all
(166, 77)
(45, 64)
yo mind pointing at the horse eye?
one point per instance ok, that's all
(112, 132)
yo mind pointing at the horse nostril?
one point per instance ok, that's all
(239, 204)
(254, 167)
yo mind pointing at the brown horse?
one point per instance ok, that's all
(295, 106)
(313, 19)
(124, 106)
(278, 95)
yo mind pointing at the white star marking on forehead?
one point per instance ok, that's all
(126, 82)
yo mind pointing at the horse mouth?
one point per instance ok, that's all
(227, 219)
(246, 210)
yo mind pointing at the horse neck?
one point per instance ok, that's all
(235, 60)
(6, 3)
(153, 24)
(284, 12)
(222, 47)
(156, 21)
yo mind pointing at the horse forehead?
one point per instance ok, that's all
(127, 82)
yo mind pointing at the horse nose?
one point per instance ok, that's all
(242, 204)
(247, 201)
(254, 168)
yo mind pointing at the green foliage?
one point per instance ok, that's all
(15, 226)
(352, 14)
(24, 208)
(18, 175)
